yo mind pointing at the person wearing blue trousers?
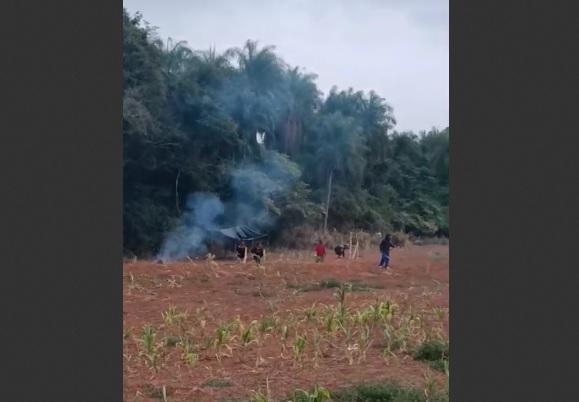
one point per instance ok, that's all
(385, 246)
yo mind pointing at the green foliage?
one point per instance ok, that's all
(190, 119)
(435, 352)
(384, 393)
(319, 394)
(218, 383)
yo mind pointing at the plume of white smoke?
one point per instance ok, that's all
(255, 188)
(190, 235)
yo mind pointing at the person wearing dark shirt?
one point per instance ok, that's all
(258, 253)
(340, 250)
(241, 251)
(385, 246)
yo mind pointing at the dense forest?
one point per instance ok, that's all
(190, 120)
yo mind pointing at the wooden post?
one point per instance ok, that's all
(328, 200)
(350, 249)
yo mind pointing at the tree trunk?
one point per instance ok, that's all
(177, 192)
(328, 200)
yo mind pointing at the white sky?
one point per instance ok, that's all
(399, 48)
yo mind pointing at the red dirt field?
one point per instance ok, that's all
(215, 293)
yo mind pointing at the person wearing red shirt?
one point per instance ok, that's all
(320, 251)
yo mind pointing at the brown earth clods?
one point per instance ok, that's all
(218, 292)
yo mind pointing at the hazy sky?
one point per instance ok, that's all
(399, 48)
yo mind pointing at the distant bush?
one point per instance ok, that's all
(385, 393)
(434, 352)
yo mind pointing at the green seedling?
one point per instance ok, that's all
(299, 347)
(150, 348)
(260, 396)
(319, 394)
(247, 335)
(189, 355)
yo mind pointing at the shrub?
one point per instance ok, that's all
(434, 352)
(384, 393)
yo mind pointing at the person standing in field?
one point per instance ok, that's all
(241, 251)
(258, 253)
(320, 251)
(385, 246)
(340, 250)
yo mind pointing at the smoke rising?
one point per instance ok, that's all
(255, 188)
(188, 238)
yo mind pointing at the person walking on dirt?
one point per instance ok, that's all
(320, 251)
(241, 251)
(385, 246)
(340, 250)
(258, 253)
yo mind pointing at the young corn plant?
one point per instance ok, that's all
(222, 335)
(169, 315)
(340, 296)
(189, 354)
(365, 341)
(299, 347)
(329, 321)
(383, 311)
(403, 336)
(346, 329)
(262, 397)
(316, 341)
(283, 333)
(181, 320)
(429, 386)
(267, 323)
(394, 338)
(440, 313)
(433, 334)
(310, 313)
(247, 334)
(150, 349)
(364, 317)
(319, 394)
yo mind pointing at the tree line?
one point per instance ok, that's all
(190, 118)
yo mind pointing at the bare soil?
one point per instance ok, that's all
(216, 292)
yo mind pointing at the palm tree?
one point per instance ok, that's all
(178, 57)
(303, 101)
(263, 67)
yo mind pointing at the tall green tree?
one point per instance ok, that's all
(190, 119)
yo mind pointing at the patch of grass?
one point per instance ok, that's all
(331, 283)
(359, 286)
(218, 383)
(319, 394)
(266, 324)
(387, 392)
(171, 341)
(434, 352)
(263, 293)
